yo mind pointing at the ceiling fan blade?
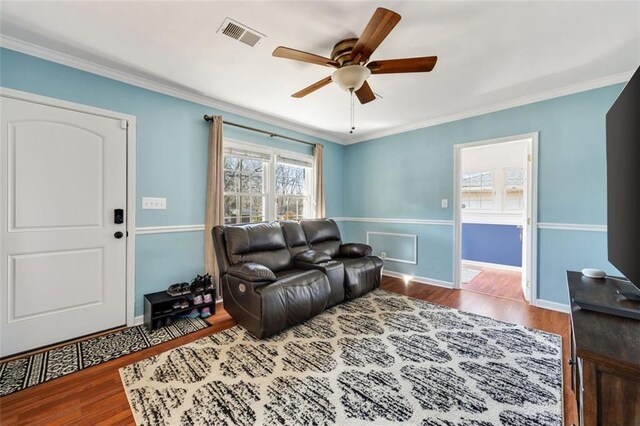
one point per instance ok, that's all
(390, 66)
(365, 94)
(310, 89)
(298, 55)
(378, 28)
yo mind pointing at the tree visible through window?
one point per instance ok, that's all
(244, 192)
(261, 185)
(293, 200)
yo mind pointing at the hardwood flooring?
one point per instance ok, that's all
(95, 396)
(497, 282)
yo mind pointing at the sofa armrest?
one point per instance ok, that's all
(251, 272)
(312, 256)
(355, 250)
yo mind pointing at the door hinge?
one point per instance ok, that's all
(528, 157)
(528, 284)
(528, 221)
(124, 124)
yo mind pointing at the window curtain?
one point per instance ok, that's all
(214, 207)
(318, 163)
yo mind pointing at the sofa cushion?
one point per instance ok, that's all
(254, 237)
(293, 233)
(261, 243)
(320, 230)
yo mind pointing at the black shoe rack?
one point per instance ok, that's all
(159, 312)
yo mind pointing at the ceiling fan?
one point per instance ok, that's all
(351, 58)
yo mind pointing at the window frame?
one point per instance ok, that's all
(269, 177)
(511, 188)
(481, 189)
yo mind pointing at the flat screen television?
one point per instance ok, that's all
(623, 181)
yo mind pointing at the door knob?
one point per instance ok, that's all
(118, 235)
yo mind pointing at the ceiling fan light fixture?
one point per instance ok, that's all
(350, 77)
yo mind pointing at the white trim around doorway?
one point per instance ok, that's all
(530, 262)
(130, 122)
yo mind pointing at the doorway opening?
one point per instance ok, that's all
(495, 195)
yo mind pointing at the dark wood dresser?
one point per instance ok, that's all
(605, 356)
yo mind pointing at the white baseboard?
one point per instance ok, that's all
(554, 306)
(492, 265)
(421, 280)
(139, 320)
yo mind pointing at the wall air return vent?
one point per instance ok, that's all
(240, 32)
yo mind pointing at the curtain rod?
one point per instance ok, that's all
(253, 129)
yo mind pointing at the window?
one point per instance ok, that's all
(478, 190)
(264, 185)
(514, 189)
(293, 189)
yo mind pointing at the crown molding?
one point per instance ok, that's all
(538, 97)
(155, 86)
(192, 96)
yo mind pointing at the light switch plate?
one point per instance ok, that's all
(445, 203)
(154, 203)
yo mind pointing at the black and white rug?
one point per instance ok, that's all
(38, 368)
(383, 359)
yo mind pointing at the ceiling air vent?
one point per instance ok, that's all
(240, 32)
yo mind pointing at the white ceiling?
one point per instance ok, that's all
(490, 53)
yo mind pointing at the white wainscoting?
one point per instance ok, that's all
(413, 241)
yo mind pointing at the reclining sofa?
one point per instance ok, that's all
(278, 274)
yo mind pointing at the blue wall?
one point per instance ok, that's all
(409, 173)
(406, 175)
(171, 143)
(487, 243)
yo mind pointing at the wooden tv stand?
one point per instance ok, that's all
(605, 357)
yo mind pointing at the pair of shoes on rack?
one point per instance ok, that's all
(199, 299)
(179, 289)
(195, 313)
(180, 304)
(202, 283)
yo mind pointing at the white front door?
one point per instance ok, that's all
(63, 269)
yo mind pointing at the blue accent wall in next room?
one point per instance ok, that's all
(499, 244)
(171, 144)
(409, 173)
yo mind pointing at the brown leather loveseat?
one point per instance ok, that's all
(275, 275)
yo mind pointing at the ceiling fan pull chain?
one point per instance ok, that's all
(353, 119)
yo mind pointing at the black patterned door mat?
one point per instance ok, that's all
(31, 370)
(382, 359)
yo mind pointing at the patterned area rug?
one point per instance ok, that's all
(34, 369)
(382, 359)
(469, 274)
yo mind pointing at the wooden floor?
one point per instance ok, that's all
(497, 282)
(95, 396)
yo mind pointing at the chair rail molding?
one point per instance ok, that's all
(147, 230)
(572, 227)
